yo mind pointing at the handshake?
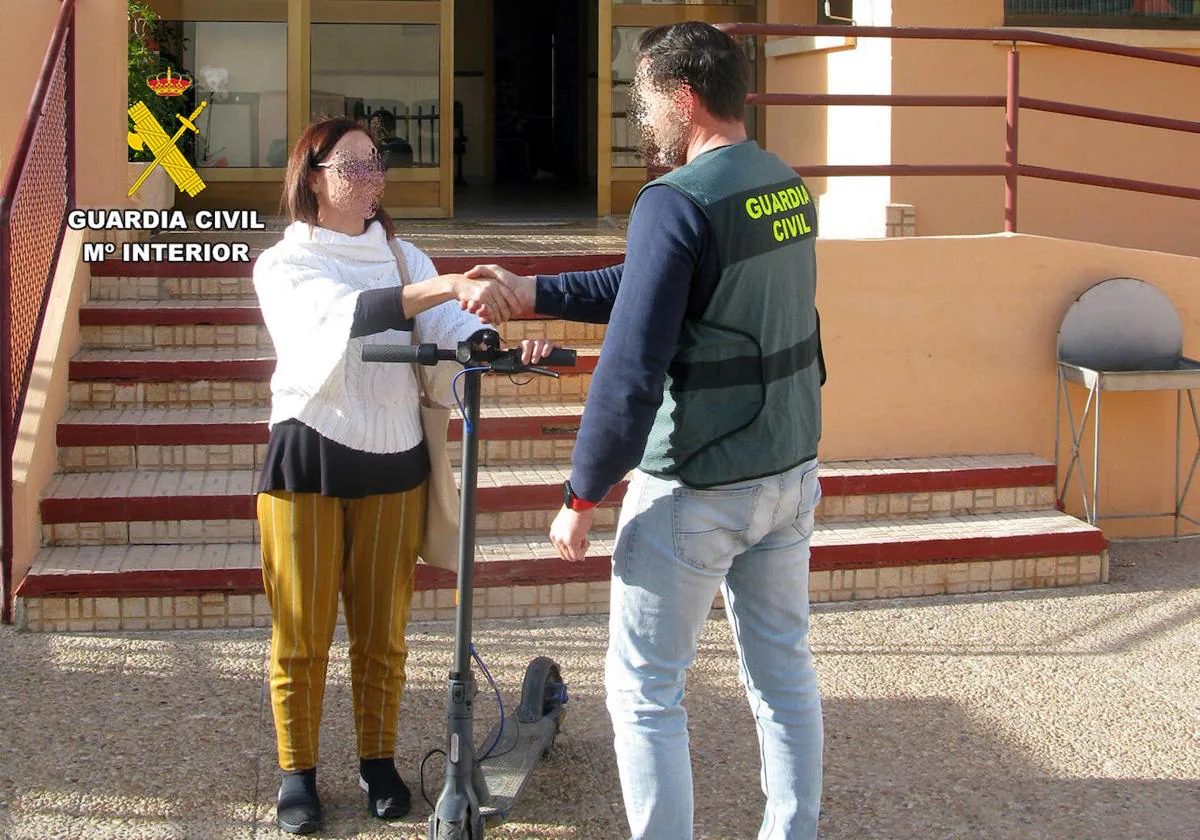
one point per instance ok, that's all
(493, 294)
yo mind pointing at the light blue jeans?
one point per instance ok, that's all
(675, 548)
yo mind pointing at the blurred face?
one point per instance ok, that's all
(350, 180)
(661, 116)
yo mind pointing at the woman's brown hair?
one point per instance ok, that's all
(313, 147)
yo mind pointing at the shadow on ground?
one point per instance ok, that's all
(1057, 715)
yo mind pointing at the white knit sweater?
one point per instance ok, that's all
(308, 286)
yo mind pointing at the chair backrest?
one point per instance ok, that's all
(1121, 324)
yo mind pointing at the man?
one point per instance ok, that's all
(709, 377)
(395, 150)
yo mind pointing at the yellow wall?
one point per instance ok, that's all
(976, 205)
(25, 29)
(24, 33)
(944, 346)
(954, 205)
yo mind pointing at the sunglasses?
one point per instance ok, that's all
(355, 166)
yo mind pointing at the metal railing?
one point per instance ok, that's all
(1012, 102)
(38, 192)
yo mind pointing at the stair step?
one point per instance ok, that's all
(180, 426)
(849, 561)
(231, 377)
(198, 504)
(117, 280)
(150, 324)
(105, 286)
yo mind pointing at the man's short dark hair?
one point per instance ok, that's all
(387, 121)
(705, 59)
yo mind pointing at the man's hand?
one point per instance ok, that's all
(524, 288)
(487, 298)
(569, 533)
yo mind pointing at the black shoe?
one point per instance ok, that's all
(388, 798)
(298, 810)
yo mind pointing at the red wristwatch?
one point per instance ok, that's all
(573, 502)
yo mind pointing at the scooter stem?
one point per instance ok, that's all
(465, 789)
(466, 546)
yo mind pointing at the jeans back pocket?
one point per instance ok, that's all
(712, 526)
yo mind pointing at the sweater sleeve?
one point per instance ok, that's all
(669, 242)
(379, 310)
(447, 323)
(309, 314)
(579, 295)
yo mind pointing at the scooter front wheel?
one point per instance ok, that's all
(543, 694)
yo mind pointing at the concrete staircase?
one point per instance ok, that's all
(150, 522)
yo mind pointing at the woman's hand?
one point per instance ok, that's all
(489, 300)
(534, 349)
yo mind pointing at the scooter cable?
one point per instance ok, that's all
(499, 700)
(458, 400)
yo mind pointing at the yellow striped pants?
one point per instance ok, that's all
(312, 547)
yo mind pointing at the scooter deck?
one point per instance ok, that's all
(512, 761)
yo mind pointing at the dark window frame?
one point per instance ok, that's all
(1100, 20)
(835, 12)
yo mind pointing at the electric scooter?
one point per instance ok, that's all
(481, 791)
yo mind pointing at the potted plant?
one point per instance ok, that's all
(150, 54)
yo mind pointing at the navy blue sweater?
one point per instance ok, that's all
(670, 271)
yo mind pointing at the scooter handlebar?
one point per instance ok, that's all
(559, 357)
(508, 361)
(425, 354)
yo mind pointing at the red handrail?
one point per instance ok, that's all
(41, 217)
(932, 33)
(1012, 169)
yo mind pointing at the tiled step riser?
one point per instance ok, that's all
(250, 609)
(77, 459)
(940, 503)
(162, 337)
(569, 388)
(166, 337)
(172, 288)
(163, 533)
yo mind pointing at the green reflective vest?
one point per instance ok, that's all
(742, 398)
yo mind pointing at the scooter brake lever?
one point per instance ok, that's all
(511, 362)
(541, 371)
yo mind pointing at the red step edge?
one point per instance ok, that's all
(984, 478)
(519, 263)
(176, 508)
(170, 316)
(553, 570)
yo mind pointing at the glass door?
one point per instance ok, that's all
(621, 171)
(390, 66)
(269, 67)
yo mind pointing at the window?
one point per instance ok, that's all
(240, 70)
(624, 50)
(1114, 14)
(386, 77)
(835, 12)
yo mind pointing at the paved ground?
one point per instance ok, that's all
(1065, 714)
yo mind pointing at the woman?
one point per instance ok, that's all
(341, 501)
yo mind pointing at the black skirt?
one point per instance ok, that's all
(301, 460)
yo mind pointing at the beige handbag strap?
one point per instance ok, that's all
(402, 264)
